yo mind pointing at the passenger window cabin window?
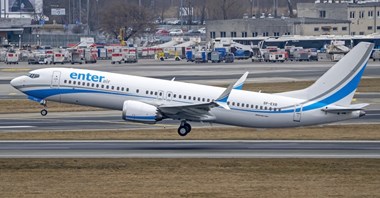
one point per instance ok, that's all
(88, 84)
(233, 103)
(74, 82)
(184, 97)
(251, 106)
(92, 85)
(199, 99)
(256, 107)
(208, 99)
(151, 92)
(102, 86)
(194, 98)
(160, 93)
(83, 83)
(107, 87)
(203, 99)
(155, 93)
(265, 108)
(174, 95)
(122, 89)
(69, 81)
(97, 85)
(113, 87)
(228, 103)
(127, 89)
(65, 81)
(137, 90)
(242, 104)
(147, 92)
(238, 104)
(179, 96)
(118, 88)
(261, 107)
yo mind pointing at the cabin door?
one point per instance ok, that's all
(55, 79)
(297, 113)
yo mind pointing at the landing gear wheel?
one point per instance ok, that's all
(184, 129)
(44, 112)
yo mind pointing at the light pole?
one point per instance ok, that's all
(19, 41)
(38, 40)
(251, 8)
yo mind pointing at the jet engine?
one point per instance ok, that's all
(140, 112)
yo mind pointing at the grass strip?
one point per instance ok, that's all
(328, 132)
(190, 177)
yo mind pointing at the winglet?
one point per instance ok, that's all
(222, 99)
(239, 84)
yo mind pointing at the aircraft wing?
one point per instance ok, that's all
(201, 111)
(356, 107)
(196, 112)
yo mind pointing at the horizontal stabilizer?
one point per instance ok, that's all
(351, 108)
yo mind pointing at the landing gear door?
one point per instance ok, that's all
(297, 113)
(55, 79)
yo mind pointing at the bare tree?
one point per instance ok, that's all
(133, 19)
(161, 7)
(226, 9)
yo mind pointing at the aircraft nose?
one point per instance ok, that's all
(16, 82)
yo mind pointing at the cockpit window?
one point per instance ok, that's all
(31, 75)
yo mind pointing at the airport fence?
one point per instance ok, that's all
(51, 40)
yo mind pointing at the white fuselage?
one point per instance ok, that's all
(110, 90)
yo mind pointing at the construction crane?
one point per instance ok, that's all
(122, 36)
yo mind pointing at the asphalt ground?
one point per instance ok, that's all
(190, 149)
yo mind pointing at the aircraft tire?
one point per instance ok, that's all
(44, 112)
(184, 130)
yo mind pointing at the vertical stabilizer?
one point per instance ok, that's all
(338, 85)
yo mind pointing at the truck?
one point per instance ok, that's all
(200, 57)
(58, 58)
(130, 58)
(216, 57)
(277, 57)
(117, 57)
(76, 57)
(90, 56)
(11, 57)
(230, 58)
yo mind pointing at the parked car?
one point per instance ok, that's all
(162, 32)
(192, 33)
(174, 22)
(175, 32)
(202, 30)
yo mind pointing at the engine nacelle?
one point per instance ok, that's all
(140, 112)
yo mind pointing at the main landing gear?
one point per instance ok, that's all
(184, 128)
(44, 112)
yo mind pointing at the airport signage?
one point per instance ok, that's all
(58, 11)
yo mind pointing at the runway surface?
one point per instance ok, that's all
(108, 120)
(190, 149)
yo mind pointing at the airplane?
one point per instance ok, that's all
(149, 100)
